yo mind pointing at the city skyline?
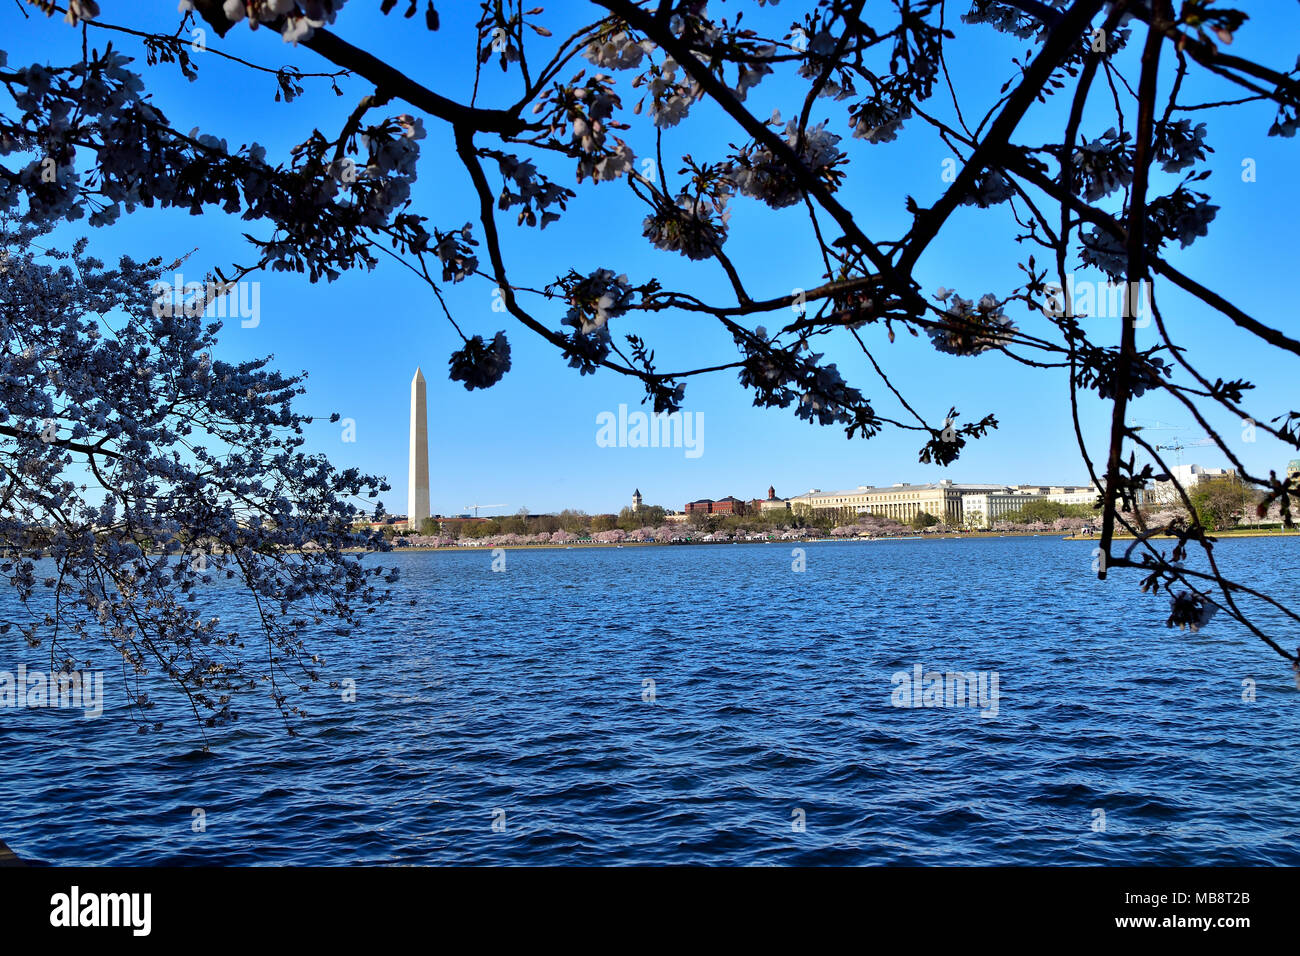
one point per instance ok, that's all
(421, 504)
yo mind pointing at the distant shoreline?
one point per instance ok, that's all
(948, 536)
(677, 544)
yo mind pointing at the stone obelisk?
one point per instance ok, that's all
(417, 496)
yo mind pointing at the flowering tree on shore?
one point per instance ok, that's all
(190, 473)
(1120, 193)
(869, 525)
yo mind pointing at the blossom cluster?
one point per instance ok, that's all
(296, 20)
(1184, 214)
(481, 364)
(990, 188)
(781, 377)
(1189, 611)
(454, 250)
(1005, 18)
(1103, 165)
(821, 47)
(1101, 368)
(1178, 144)
(587, 113)
(533, 191)
(878, 122)
(968, 327)
(758, 173)
(614, 48)
(690, 225)
(593, 300)
(670, 97)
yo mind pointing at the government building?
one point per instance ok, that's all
(956, 505)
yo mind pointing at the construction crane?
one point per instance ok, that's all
(1150, 425)
(476, 507)
(1177, 446)
(1175, 443)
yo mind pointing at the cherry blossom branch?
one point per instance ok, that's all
(1137, 271)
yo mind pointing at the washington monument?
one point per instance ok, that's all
(417, 495)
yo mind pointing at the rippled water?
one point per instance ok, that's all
(522, 692)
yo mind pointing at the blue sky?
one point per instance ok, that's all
(530, 440)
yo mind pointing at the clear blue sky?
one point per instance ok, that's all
(530, 440)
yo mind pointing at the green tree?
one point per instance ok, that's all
(698, 520)
(651, 516)
(1219, 502)
(573, 521)
(1041, 509)
(923, 519)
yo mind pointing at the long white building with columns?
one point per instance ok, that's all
(956, 505)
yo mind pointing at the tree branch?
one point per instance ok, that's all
(396, 83)
(990, 151)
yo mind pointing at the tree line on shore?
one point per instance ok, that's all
(1220, 503)
(650, 523)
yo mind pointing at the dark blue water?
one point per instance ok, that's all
(522, 692)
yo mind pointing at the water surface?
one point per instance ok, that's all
(517, 697)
